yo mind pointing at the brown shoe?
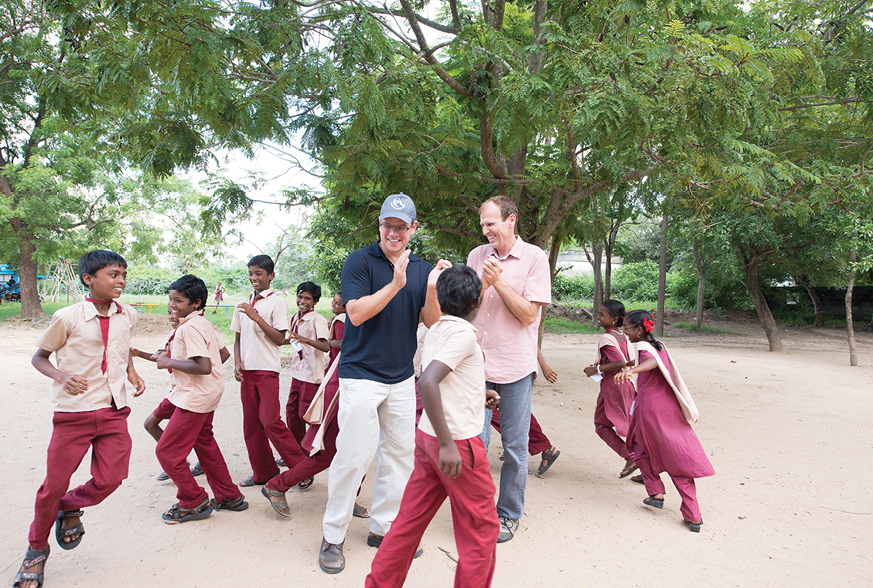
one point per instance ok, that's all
(330, 557)
(374, 540)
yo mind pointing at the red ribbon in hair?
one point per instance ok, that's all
(648, 324)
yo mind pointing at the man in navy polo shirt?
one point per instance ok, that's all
(386, 289)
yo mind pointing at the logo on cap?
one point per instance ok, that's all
(397, 204)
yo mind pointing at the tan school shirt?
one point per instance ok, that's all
(452, 341)
(309, 368)
(256, 350)
(197, 337)
(74, 337)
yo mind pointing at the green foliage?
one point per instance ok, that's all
(155, 281)
(636, 281)
(567, 326)
(579, 287)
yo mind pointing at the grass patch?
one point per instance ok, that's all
(704, 328)
(566, 326)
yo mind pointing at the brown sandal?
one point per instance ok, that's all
(549, 456)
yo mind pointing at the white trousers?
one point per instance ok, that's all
(378, 420)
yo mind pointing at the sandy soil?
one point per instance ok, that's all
(789, 505)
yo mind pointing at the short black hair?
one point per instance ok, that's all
(96, 260)
(615, 308)
(312, 288)
(265, 262)
(458, 290)
(192, 288)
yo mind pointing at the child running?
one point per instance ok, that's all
(659, 435)
(260, 323)
(450, 458)
(197, 384)
(152, 423)
(91, 343)
(612, 415)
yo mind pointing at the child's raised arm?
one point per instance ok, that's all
(429, 390)
(73, 384)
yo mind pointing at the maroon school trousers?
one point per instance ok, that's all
(311, 465)
(685, 486)
(299, 399)
(262, 425)
(537, 441)
(105, 432)
(188, 430)
(474, 516)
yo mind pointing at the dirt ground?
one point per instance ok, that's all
(789, 504)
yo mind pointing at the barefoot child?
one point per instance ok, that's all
(91, 343)
(659, 435)
(612, 415)
(260, 323)
(197, 384)
(308, 336)
(450, 458)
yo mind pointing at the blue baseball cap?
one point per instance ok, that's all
(398, 206)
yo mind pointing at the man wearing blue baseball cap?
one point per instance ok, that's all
(386, 290)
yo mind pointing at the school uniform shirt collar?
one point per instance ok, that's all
(262, 294)
(514, 252)
(90, 309)
(184, 320)
(376, 251)
(457, 319)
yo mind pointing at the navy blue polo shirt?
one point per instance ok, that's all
(382, 348)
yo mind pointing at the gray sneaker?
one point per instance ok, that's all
(507, 529)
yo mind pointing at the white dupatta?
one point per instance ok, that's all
(607, 340)
(674, 378)
(316, 415)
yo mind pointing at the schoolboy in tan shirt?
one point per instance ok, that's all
(194, 361)
(450, 458)
(260, 323)
(308, 336)
(91, 343)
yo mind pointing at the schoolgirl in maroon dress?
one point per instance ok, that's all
(660, 435)
(611, 417)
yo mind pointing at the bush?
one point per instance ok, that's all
(156, 281)
(579, 287)
(636, 281)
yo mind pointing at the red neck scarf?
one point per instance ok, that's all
(104, 327)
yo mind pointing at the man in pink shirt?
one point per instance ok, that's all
(516, 284)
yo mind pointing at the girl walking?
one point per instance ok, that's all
(660, 435)
(611, 417)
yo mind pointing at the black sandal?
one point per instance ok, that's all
(654, 502)
(177, 514)
(548, 456)
(32, 558)
(237, 504)
(78, 529)
(306, 483)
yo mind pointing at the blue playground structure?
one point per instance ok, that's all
(10, 284)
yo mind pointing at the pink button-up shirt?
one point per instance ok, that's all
(511, 348)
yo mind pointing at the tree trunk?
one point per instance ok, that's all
(816, 302)
(597, 250)
(702, 269)
(761, 306)
(662, 278)
(610, 245)
(31, 308)
(850, 328)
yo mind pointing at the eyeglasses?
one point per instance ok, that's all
(399, 230)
